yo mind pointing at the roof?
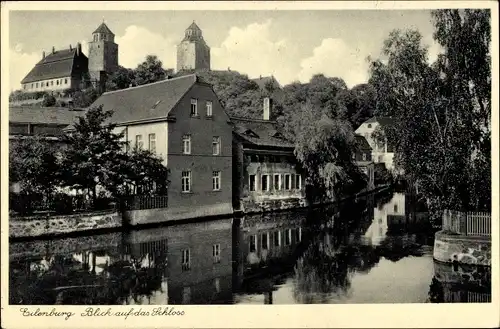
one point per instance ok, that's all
(103, 28)
(55, 65)
(150, 101)
(262, 81)
(260, 132)
(381, 120)
(362, 143)
(43, 115)
(193, 26)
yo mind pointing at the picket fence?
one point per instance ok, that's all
(470, 223)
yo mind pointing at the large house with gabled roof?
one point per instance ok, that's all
(57, 71)
(182, 121)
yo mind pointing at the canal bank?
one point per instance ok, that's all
(465, 238)
(42, 226)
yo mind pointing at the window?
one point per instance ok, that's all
(194, 107)
(186, 259)
(277, 238)
(216, 180)
(253, 243)
(57, 82)
(264, 182)
(369, 125)
(138, 141)
(65, 81)
(288, 182)
(95, 37)
(186, 181)
(209, 109)
(396, 208)
(47, 84)
(277, 182)
(216, 145)
(288, 237)
(364, 156)
(36, 85)
(380, 158)
(52, 82)
(264, 241)
(152, 143)
(216, 253)
(31, 85)
(186, 144)
(298, 234)
(298, 182)
(252, 182)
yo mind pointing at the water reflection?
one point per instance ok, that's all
(370, 250)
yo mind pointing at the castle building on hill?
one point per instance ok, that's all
(193, 53)
(57, 71)
(71, 69)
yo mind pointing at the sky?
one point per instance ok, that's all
(291, 45)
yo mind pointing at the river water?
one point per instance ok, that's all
(376, 249)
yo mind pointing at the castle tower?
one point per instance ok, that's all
(103, 55)
(193, 53)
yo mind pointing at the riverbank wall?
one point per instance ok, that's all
(49, 225)
(456, 248)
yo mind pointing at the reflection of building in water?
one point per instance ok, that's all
(269, 237)
(199, 268)
(391, 213)
(461, 284)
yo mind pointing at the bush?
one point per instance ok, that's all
(62, 204)
(48, 101)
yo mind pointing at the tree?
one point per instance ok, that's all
(33, 164)
(94, 153)
(441, 130)
(324, 148)
(85, 97)
(120, 79)
(151, 70)
(145, 172)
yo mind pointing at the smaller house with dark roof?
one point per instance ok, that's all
(363, 159)
(381, 152)
(265, 171)
(57, 71)
(182, 121)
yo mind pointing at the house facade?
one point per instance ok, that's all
(363, 158)
(182, 121)
(265, 172)
(381, 152)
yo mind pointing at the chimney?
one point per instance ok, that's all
(268, 104)
(53, 49)
(43, 54)
(70, 48)
(78, 49)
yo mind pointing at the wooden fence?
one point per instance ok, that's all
(139, 202)
(470, 223)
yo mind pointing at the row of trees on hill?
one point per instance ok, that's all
(91, 156)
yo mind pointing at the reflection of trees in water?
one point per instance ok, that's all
(63, 280)
(326, 267)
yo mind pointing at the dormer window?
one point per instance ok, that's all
(277, 134)
(250, 133)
